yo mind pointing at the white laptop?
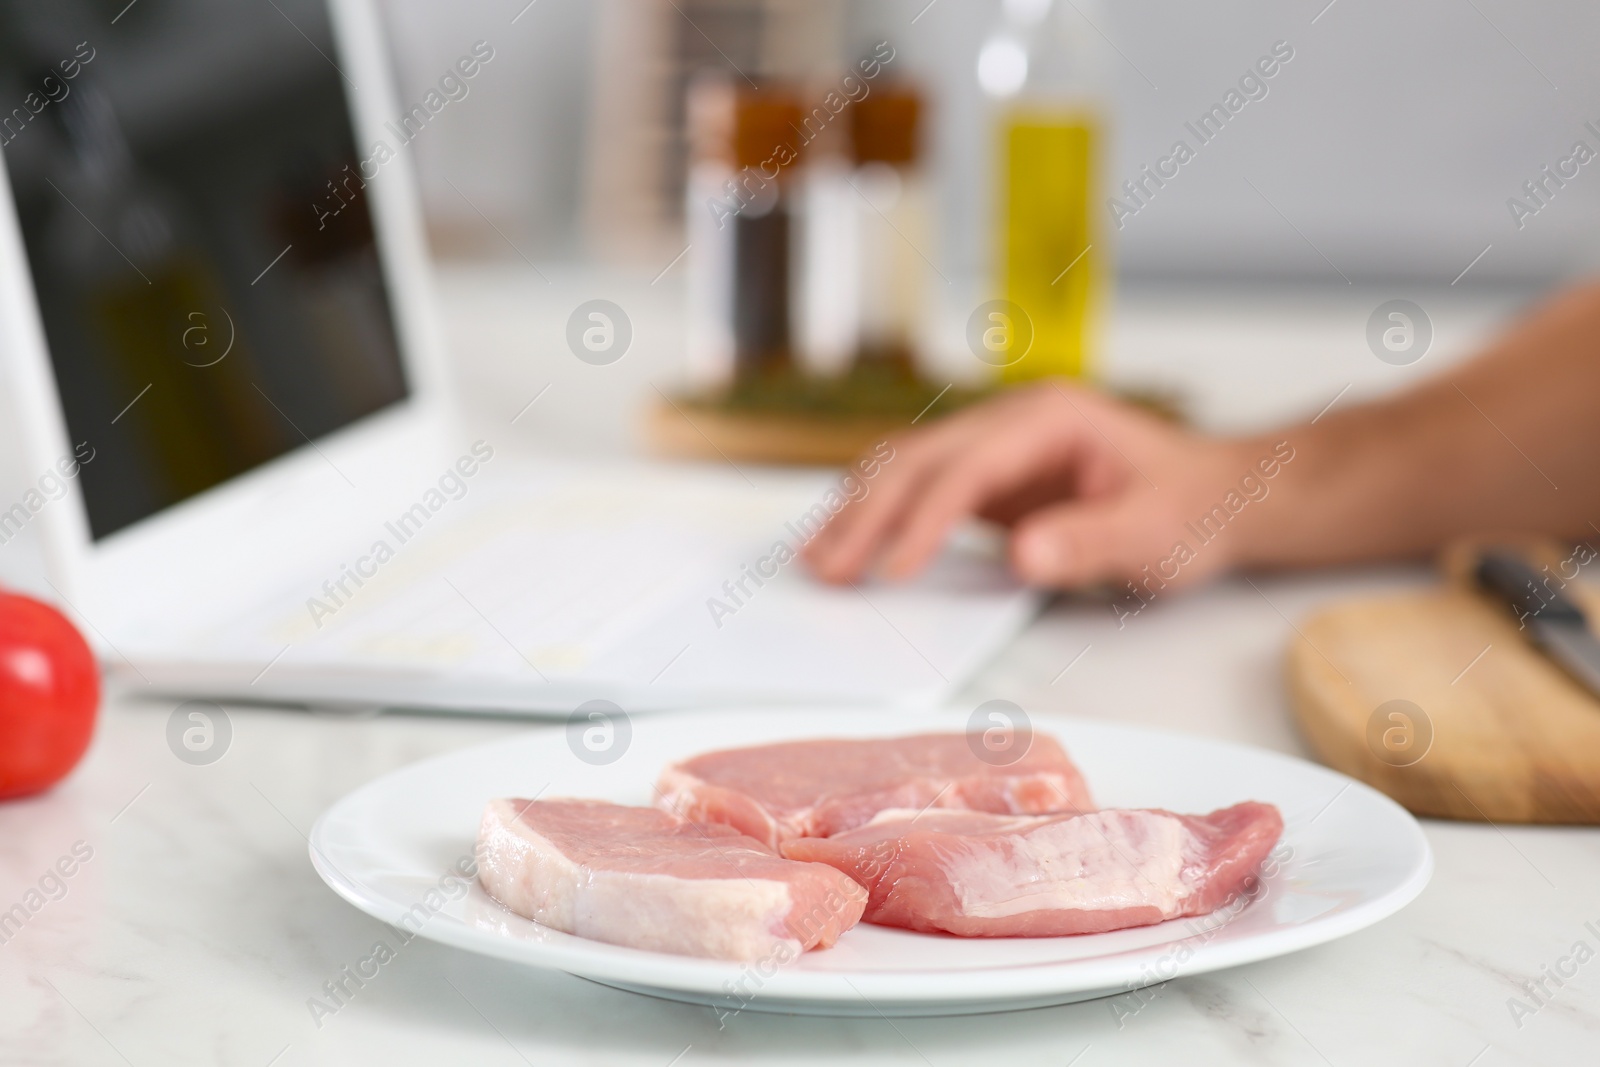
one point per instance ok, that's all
(218, 346)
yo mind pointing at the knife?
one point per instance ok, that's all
(1556, 625)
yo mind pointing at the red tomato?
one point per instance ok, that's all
(49, 691)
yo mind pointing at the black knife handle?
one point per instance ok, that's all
(1522, 588)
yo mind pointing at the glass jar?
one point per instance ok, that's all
(742, 192)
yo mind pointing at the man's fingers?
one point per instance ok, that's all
(1080, 543)
(1028, 445)
(844, 547)
(993, 470)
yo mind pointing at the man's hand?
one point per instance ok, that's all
(1091, 489)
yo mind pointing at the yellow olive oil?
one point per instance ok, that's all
(1050, 262)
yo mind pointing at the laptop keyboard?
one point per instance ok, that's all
(553, 584)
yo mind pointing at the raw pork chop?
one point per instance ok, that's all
(816, 788)
(981, 875)
(648, 879)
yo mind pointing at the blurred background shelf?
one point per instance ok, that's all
(1243, 286)
(1389, 144)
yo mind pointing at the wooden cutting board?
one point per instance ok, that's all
(1438, 700)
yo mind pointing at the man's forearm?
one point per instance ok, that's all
(1509, 442)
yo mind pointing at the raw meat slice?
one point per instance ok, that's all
(981, 875)
(775, 793)
(648, 879)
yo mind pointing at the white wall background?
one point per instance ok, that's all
(514, 147)
(1390, 143)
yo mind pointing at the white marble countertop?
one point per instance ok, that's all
(195, 930)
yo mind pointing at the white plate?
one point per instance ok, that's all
(1353, 857)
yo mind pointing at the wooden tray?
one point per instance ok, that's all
(836, 423)
(787, 416)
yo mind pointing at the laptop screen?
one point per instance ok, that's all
(192, 203)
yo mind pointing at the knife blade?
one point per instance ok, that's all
(1552, 621)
